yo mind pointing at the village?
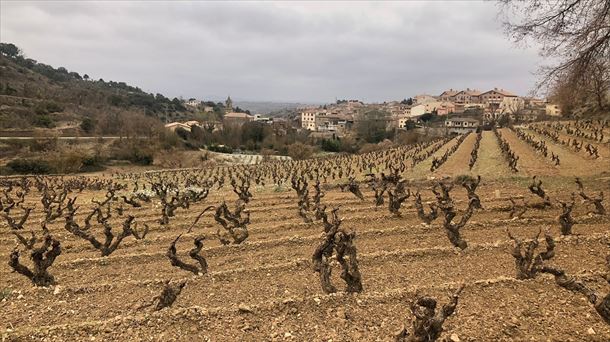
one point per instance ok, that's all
(451, 112)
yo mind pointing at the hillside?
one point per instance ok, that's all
(33, 94)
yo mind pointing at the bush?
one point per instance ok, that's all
(182, 133)
(410, 124)
(220, 148)
(87, 125)
(48, 107)
(266, 154)
(142, 157)
(5, 171)
(138, 152)
(329, 145)
(92, 163)
(42, 145)
(299, 151)
(54, 107)
(66, 160)
(408, 138)
(40, 109)
(29, 166)
(44, 121)
(168, 139)
(345, 144)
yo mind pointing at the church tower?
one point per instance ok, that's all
(229, 104)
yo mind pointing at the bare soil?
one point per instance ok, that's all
(265, 289)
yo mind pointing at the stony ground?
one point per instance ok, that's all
(265, 289)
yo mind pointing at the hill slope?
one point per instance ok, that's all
(33, 94)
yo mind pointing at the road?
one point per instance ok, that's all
(62, 138)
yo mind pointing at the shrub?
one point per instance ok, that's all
(299, 151)
(142, 157)
(29, 166)
(87, 125)
(330, 145)
(44, 121)
(138, 152)
(5, 293)
(42, 145)
(408, 138)
(92, 163)
(168, 139)
(40, 109)
(67, 160)
(53, 107)
(266, 154)
(220, 148)
(182, 133)
(5, 171)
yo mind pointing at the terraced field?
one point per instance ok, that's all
(265, 288)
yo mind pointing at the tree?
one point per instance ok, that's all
(9, 50)
(427, 117)
(330, 145)
(44, 121)
(409, 125)
(75, 75)
(299, 151)
(182, 133)
(255, 132)
(598, 83)
(573, 32)
(504, 120)
(408, 102)
(87, 125)
(372, 126)
(197, 133)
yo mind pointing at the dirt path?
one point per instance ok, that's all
(490, 163)
(530, 163)
(571, 163)
(422, 169)
(602, 148)
(457, 163)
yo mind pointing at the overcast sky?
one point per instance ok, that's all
(278, 51)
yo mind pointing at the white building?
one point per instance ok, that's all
(495, 96)
(263, 119)
(461, 125)
(429, 107)
(402, 121)
(418, 110)
(192, 103)
(511, 105)
(173, 126)
(552, 109)
(308, 119)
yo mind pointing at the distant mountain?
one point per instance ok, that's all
(33, 94)
(267, 107)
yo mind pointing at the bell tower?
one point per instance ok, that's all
(229, 104)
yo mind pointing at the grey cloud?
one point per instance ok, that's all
(280, 51)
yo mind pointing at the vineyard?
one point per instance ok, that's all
(494, 236)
